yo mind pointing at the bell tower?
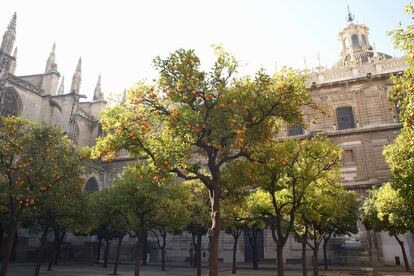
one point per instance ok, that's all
(354, 37)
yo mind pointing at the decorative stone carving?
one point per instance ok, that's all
(352, 72)
(5, 62)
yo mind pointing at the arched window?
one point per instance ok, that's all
(91, 185)
(355, 41)
(346, 43)
(364, 40)
(9, 103)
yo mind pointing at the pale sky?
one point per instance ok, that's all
(119, 39)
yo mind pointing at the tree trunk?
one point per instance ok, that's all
(11, 232)
(255, 264)
(401, 243)
(106, 253)
(57, 256)
(163, 258)
(140, 249)
(280, 261)
(214, 231)
(56, 238)
(98, 255)
(15, 242)
(234, 268)
(198, 254)
(118, 253)
(194, 255)
(315, 260)
(161, 245)
(43, 241)
(252, 235)
(304, 257)
(144, 253)
(51, 257)
(1, 239)
(325, 255)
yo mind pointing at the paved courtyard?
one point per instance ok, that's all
(127, 270)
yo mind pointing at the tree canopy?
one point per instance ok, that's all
(284, 173)
(38, 168)
(385, 210)
(400, 154)
(193, 122)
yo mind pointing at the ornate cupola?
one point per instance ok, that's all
(356, 49)
(354, 37)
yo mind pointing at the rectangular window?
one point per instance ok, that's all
(295, 130)
(345, 118)
(348, 156)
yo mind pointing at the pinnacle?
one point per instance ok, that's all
(12, 24)
(79, 66)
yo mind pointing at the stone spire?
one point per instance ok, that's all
(12, 68)
(76, 80)
(51, 65)
(61, 89)
(124, 96)
(97, 95)
(9, 36)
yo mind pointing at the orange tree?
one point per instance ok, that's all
(193, 122)
(400, 154)
(172, 216)
(385, 210)
(69, 212)
(107, 223)
(283, 173)
(232, 213)
(199, 219)
(239, 209)
(328, 210)
(253, 224)
(136, 198)
(63, 206)
(35, 161)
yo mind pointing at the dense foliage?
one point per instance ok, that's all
(400, 154)
(385, 210)
(284, 174)
(193, 122)
(39, 169)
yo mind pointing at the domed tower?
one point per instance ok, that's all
(356, 49)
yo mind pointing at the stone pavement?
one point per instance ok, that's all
(127, 270)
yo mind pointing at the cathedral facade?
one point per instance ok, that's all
(357, 116)
(42, 97)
